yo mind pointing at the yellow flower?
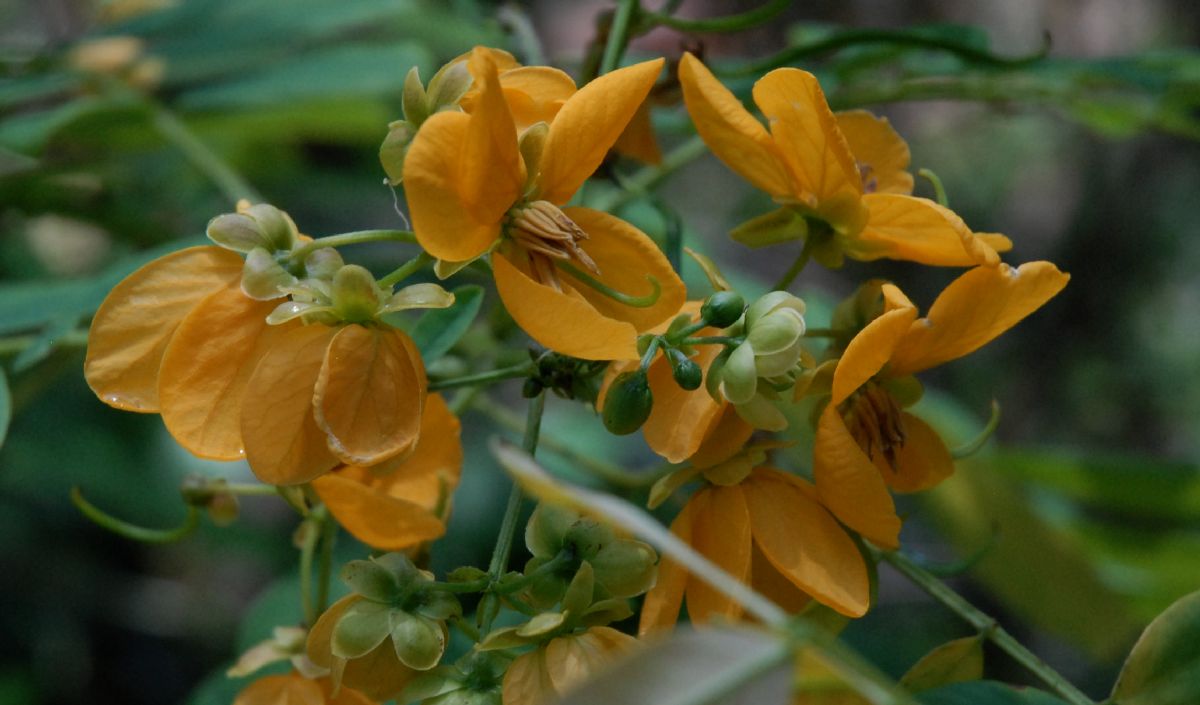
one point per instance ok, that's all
(560, 664)
(473, 186)
(865, 442)
(380, 674)
(403, 502)
(766, 528)
(295, 689)
(840, 178)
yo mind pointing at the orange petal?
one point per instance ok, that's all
(433, 468)
(284, 445)
(721, 532)
(660, 608)
(563, 322)
(871, 349)
(774, 585)
(442, 216)
(344, 696)
(923, 461)
(724, 438)
(850, 485)
(379, 674)
(377, 519)
(369, 395)
(919, 230)
(730, 131)
(206, 367)
(290, 689)
(588, 125)
(807, 135)
(878, 150)
(626, 257)
(490, 167)
(136, 320)
(975, 308)
(320, 636)
(571, 660)
(806, 544)
(638, 139)
(527, 680)
(679, 420)
(535, 93)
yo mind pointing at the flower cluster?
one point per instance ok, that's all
(267, 346)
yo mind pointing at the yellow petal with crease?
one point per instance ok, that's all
(923, 461)
(491, 172)
(380, 675)
(626, 257)
(660, 608)
(369, 396)
(806, 133)
(849, 484)
(975, 308)
(562, 321)
(206, 367)
(527, 680)
(724, 437)
(588, 125)
(679, 420)
(806, 544)
(871, 349)
(881, 153)
(535, 93)
(375, 518)
(919, 230)
(570, 660)
(135, 322)
(442, 218)
(730, 131)
(721, 532)
(284, 445)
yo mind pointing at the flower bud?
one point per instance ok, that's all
(415, 102)
(686, 372)
(723, 308)
(355, 294)
(628, 403)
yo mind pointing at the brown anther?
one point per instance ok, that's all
(866, 173)
(547, 234)
(875, 422)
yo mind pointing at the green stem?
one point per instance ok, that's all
(312, 534)
(618, 35)
(824, 333)
(987, 626)
(938, 189)
(730, 23)
(353, 238)
(247, 489)
(651, 351)
(973, 446)
(133, 531)
(204, 159)
(512, 510)
(648, 177)
(406, 270)
(713, 340)
(18, 344)
(643, 301)
(523, 33)
(798, 266)
(522, 370)
(325, 561)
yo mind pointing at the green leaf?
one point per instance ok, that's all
(51, 335)
(1164, 666)
(987, 693)
(713, 667)
(436, 332)
(953, 662)
(5, 406)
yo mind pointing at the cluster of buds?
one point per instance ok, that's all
(446, 89)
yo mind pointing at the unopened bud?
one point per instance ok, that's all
(686, 372)
(355, 294)
(628, 403)
(723, 308)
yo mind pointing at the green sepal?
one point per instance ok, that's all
(625, 567)
(781, 225)
(541, 625)
(606, 612)
(363, 627)
(666, 485)
(440, 605)
(504, 638)
(414, 100)
(578, 596)
(394, 149)
(419, 642)
(372, 581)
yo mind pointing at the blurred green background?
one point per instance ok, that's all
(1087, 508)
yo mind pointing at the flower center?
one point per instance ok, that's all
(875, 421)
(547, 234)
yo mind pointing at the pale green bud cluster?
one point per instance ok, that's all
(445, 90)
(352, 295)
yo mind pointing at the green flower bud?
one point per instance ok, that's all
(263, 278)
(355, 294)
(415, 102)
(237, 232)
(419, 641)
(323, 263)
(686, 372)
(723, 308)
(628, 403)
(448, 86)
(395, 148)
(363, 627)
(625, 567)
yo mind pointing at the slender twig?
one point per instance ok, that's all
(618, 36)
(798, 266)
(329, 529)
(133, 531)
(523, 369)
(201, 156)
(353, 238)
(987, 626)
(730, 23)
(648, 177)
(406, 270)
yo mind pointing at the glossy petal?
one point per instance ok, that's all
(626, 256)
(588, 125)
(919, 230)
(679, 420)
(878, 150)
(375, 518)
(527, 680)
(284, 445)
(535, 93)
(730, 131)
(850, 485)
(871, 349)
(721, 532)
(442, 216)
(562, 321)
(975, 308)
(923, 461)
(135, 322)
(370, 395)
(660, 608)
(806, 544)
(205, 369)
(290, 689)
(570, 660)
(807, 135)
